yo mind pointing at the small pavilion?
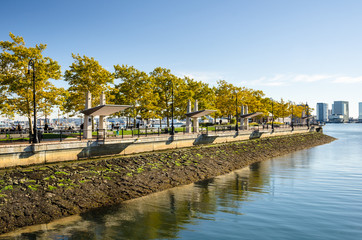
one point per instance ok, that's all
(246, 116)
(102, 110)
(195, 115)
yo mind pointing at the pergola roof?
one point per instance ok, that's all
(251, 115)
(104, 110)
(200, 113)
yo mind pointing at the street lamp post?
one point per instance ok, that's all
(236, 104)
(307, 110)
(35, 135)
(291, 121)
(272, 114)
(172, 111)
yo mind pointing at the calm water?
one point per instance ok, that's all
(310, 194)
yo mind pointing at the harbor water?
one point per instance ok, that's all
(310, 194)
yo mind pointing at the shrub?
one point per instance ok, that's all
(275, 123)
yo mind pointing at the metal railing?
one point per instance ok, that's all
(13, 135)
(123, 133)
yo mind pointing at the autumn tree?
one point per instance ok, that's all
(281, 109)
(225, 99)
(85, 74)
(136, 89)
(253, 99)
(16, 84)
(165, 82)
(300, 111)
(201, 92)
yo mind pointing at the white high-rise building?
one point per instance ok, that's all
(322, 112)
(360, 112)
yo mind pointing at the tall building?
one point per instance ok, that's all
(341, 110)
(360, 112)
(329, 112)
(322, 112)
(332, 110)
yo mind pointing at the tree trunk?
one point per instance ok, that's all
(31, 129)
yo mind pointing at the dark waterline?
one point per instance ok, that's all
(310, 194)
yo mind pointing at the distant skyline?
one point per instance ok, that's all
(303, 51)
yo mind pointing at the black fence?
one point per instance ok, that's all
(13, 135)
(7, 136)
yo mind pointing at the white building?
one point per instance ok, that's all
(360, 112)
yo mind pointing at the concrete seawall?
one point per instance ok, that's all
(27, 154)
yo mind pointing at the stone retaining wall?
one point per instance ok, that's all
(26, 154)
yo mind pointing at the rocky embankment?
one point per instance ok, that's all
(40, 194)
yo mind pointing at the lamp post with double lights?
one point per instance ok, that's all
(35, 135)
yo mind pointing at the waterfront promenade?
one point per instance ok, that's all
(52, 150)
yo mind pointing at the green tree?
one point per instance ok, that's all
(16, 84)
(84, 75)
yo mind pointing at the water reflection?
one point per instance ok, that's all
(163, 215)
(160, 215)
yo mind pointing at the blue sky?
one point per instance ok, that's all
(304, 51)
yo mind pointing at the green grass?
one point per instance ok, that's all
(142, 131)
(56, 135)
(13, 139)
(44, 136)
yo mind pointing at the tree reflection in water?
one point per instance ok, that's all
(164, 214)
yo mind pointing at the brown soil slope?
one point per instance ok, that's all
(41, 194)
